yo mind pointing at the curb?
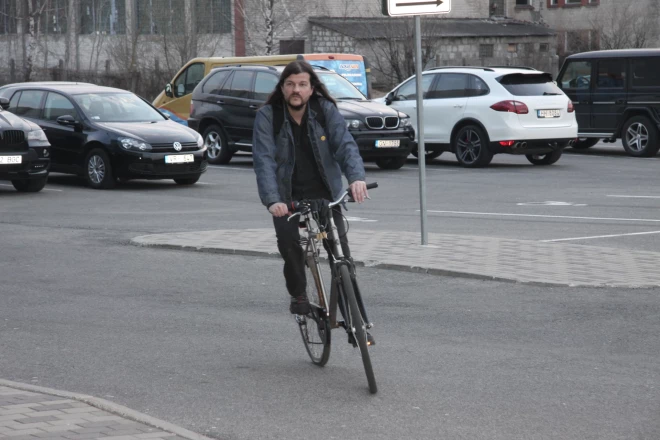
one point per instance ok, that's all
(110, 407)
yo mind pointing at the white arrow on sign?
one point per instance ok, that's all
(418, 7)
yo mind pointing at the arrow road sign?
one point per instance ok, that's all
(396, 8)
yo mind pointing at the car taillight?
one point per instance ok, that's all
(571, 109)
(511, 106)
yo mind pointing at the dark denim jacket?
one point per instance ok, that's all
(334, 148)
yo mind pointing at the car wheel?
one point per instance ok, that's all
(32, 185)
(471, 147)
(187, 181)
(640, 137)
(584, 143)
(216, 144)
(544, 159)
(391, 163)
(98, 170)
(428, 155)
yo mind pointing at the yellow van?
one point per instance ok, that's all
(174, 101)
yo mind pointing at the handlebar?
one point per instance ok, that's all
(298, 207)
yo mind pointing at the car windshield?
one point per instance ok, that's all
(116, 107)
(339, 87)
(520, 84)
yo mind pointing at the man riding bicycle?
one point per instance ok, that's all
(301, 160)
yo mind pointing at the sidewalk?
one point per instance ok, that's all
(521, 261)
(37, 413)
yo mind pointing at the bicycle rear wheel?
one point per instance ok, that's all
(315, 326)
(356, 325)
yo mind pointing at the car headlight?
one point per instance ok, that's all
(37, 138)
(353, 123)
(133, 144)
(405, 122)
(200, 140)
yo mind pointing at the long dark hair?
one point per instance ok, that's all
(294, 68)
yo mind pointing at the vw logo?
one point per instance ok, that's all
(177, 146)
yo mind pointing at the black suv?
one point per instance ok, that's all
(108, 135)
(24, 152)
(616, 94)
(225, 102)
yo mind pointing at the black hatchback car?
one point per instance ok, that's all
(616, 95)
(24, 152)
(225, 102)
(108, 135)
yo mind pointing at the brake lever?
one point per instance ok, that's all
(292, 216)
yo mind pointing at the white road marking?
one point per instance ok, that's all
(45, 189)
(634, 197)
(360, 219)
(548, 216)
(601, 236)
(549, 203)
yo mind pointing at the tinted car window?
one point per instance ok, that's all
(58, 105)
(611, 74)
(645, 72)
(409, 89)
(117, 107)
(240, 86)
(187, 81)
(13, 102)
(214, 83)
(449, 85)
(577, 75)
(520, 84)
(29, 104)
(477, 87)
(264, 85)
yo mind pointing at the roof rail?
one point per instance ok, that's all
(487, 69)
(513, 67)
(246, 65)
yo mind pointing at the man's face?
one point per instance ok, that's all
(297, 90)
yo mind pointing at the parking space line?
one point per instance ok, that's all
(600, 236)
(45, 189)
(547, 216)
(634, 197)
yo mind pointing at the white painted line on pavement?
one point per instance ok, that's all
(634, 197)
(600, 236)
(547, 216)
(360, 219)
(45, 189)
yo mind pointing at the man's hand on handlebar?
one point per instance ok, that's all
(278, 209)
(358, 190)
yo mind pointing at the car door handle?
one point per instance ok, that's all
(458, 106)
(220, 102)
(254, 107)
(620, 101)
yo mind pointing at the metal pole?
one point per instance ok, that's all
(421, 152)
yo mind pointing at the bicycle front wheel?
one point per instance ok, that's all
(357, 326)
(315, 326)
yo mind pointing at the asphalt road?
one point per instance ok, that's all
(205, 341)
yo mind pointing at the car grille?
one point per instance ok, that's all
(183, 168)
(169, 147)
(377, 122)
(13, 140)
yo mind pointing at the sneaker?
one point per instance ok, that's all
(299, 305)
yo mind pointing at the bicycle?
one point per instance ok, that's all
(315, 327)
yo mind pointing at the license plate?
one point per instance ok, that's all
(549, 113)
(388, 143)
(179, 158)
(10, 160)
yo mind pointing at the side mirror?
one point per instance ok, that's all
(67, 120)
(389, 98)
(4, 103)
(168, 90)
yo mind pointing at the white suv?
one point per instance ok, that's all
(477, 112)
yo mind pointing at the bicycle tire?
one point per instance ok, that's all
(356, 322)
(315, 326)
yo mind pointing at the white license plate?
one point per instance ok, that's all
(549, 113)
(179, 158)
(388, 143)
(10, 160)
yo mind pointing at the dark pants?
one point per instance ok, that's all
(288, 243)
